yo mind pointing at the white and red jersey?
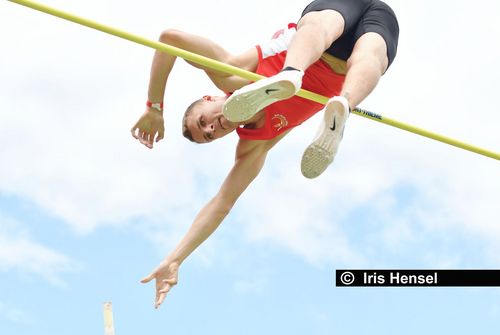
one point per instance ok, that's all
(284, 115)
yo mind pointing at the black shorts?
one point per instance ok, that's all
(360, 16)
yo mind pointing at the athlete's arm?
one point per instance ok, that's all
(150, 126)
(250, 157)
(163, 63)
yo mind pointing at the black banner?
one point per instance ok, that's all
(417, 278)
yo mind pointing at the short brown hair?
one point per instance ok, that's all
(185, 130)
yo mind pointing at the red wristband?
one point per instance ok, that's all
(157, 105)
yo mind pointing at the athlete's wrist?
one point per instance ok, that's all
(174, 258)
(158, 106)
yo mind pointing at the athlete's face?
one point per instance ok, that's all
(206, 121)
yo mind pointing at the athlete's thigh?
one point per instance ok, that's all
(380, 20)
(351, 10)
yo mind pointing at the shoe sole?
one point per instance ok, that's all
(315, 160)
(321, 153)
(247, 102)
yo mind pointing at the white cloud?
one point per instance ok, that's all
(455, 194)
(249, 286)
(70, 96)
(15, 315)
(19, 253)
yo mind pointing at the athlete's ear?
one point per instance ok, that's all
(208, 98)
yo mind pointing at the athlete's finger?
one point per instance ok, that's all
(170, 282)
(166, 289)
(140, 134)
(148, 278)
(160, 300)
(152, 135)
(144, 139)
(161, 134)
(133, 131)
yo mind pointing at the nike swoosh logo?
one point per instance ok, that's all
(333, 128)
(270, 90)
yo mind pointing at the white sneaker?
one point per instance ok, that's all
(321, 152)
(244, 103)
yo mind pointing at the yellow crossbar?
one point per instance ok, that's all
(216, 65)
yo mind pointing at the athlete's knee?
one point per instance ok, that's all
(370, 49)
(327, 24)
(371, 59)
(171, 35)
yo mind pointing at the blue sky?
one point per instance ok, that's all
(86, 212)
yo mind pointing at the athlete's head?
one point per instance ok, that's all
(204, 122)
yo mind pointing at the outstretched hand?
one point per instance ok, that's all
(150, 128)
(166, 275)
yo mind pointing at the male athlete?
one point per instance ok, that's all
(339, 49)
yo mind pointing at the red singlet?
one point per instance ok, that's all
(284, 115)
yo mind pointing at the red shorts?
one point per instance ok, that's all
(284, 115)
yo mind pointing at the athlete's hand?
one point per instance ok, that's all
(166, 275)
(150, 128)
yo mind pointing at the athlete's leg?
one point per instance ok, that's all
(372, 49)
(316, 31)
(367, 64)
